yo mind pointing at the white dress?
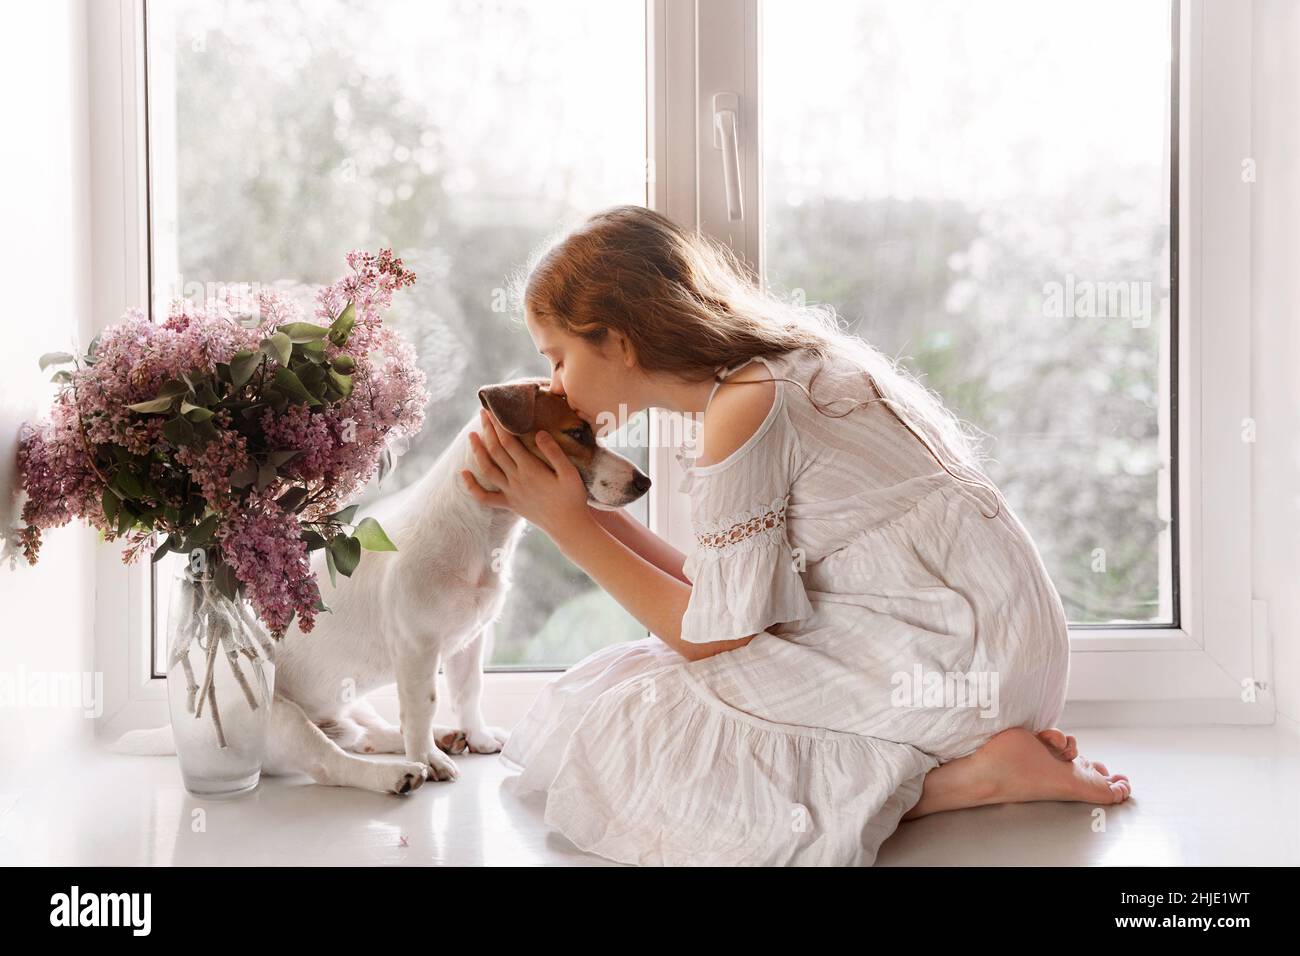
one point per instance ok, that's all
(897, 628)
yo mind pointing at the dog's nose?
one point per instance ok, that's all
(641, 482)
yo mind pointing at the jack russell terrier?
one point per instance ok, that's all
(403, 613)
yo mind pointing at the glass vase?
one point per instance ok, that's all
(220, 680)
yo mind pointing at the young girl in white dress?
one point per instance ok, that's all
(863, 632)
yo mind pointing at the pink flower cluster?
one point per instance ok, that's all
(211, 466)
(66, 460)
(370, 290)
(261, 542)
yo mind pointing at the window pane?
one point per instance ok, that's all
(982, 190)
(462, 134)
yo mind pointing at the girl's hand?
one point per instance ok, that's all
(553, 498)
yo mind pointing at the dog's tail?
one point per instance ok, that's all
(155, 742)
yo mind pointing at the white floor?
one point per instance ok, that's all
(1204, 795)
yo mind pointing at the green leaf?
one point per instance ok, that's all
(242, 366)
(206, 394)
(61, 377)
(243, 476)
(178, 431)
(206, 431)
(344, 363)
(292, 499)
(278, 347)
(292, 386)
(203, 534)
(372, 536)
(153, 406)
(329, 563)
(125, 519)
(304, 332)
(346, 515)
(341, 328)
(279, 458)
(266, 475)
(346, 551)
(171, 544)
(55, 358)
(342, 382)
(313, 539)
(127, 485)
(110, 503)
(225, 580)
(313, 379)
(161, 402)
(196, 413)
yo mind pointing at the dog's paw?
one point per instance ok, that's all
(486, 740)
(450, 740)
(440, 766)
(405, 776)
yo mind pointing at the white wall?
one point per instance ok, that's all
(1275, 326)
(46, 612)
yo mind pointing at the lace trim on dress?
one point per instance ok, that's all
(739, 527)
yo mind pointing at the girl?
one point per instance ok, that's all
(864, 631)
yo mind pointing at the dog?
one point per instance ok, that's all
(402, 613)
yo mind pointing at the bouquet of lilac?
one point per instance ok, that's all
(237, 435)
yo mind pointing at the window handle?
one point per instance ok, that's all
(726, 137)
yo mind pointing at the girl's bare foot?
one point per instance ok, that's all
(1016, 766)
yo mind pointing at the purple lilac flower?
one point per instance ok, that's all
(68, 459)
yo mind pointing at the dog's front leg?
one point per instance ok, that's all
(465, 684)
(417, 700)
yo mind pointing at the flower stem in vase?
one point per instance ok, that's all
(232, 656)
(188, 615)
(216, 715)
(208, 691)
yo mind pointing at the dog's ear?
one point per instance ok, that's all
(514, 404)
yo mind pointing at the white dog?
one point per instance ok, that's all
(402, 613)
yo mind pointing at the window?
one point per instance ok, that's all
(1005, 197)
(985, 193)
(283, 134)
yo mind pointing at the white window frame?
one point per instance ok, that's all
(1192, 673)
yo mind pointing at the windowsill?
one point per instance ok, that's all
(1209, 795)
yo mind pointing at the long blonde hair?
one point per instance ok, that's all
(690, 306)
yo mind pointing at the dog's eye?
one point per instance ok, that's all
(579, 435)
